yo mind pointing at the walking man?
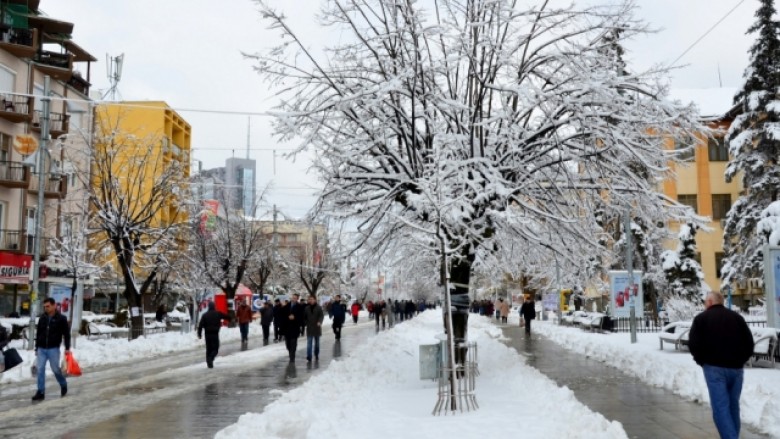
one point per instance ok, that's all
(338, 312)
(266, 318)
(297, 308)
(528, 313)
(244, 316)
(278, 334)
(721, 343)
(313, 317)
(210, 322)
(289, 327)
(52, 329)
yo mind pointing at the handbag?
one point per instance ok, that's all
(72, 367)
(12, 358)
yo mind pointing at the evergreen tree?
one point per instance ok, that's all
(754, 147)
(684, 276)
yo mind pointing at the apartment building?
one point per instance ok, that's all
(34, 47)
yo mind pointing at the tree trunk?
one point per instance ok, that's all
(460, 275)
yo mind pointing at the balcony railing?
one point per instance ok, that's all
(10, 240)
(53, 188)
(58, 122)
(79, 84)
(15, 108)
(29, 245)
(57, 65)
(14, 174)
(18, 41)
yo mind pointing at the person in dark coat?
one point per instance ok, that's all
(210, 323)
(297, 308)
(338, 312)
(721, 343)
(161, 313)
(278, 334)
(51, 331)
(266, 318)
(313, 316)
(528, 313)
(289, 327)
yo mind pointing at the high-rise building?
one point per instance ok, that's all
(240, 181)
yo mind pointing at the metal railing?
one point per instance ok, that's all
(10, 239)
(57, 121)
(15, 104)
(12, 171)
(54, 59)
(19, 36)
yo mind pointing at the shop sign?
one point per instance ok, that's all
(14, 268)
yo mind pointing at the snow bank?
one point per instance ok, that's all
(673, 370)
(376, 392)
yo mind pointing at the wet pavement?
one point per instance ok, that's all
(169, 397)
(644, 410)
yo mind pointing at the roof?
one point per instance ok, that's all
(711, 102)
(50, 25)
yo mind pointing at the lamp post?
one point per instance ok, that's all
(630, 267)
(40, 162)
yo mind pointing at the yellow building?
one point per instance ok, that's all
(701, 185)
(135, 144)
(153, 136)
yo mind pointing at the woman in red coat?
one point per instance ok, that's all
(355, 310)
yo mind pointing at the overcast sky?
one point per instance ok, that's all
(188, 53)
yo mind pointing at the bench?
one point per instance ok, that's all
(764, 345)
(105, 330)
(675, 333)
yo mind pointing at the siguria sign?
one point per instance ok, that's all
(14, 268)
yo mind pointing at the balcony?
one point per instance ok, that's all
(29, 245)
(58, 123)
(22, 43)
(11, 240)
(79, 84)
(53, 188)
(57, 65)
(16, 108)
(14, 175)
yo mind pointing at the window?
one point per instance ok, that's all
(719, 263)
(721, 203)
(690, 200)
(717, 149)
(689, 144)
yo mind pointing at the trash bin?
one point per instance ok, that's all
(430, 360)
(185, 326)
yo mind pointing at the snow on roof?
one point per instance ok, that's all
(712, 102)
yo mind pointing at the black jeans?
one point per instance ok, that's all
(212, 347)
(277, 333)
(291, 341)
(528, 326)
(267, 331)
(337, 329)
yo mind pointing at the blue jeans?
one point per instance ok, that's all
(724, 385)
(244, 328)
(52, 355)
(309, 340)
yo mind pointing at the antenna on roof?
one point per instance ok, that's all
(720, 80)
(114, 73)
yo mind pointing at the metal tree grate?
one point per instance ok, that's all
(461, 396)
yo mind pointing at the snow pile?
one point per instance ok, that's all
(378, 390)
(673, 370)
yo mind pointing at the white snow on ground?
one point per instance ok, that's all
(377, 388)
(673, 370)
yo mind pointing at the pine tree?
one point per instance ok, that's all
(684, 276)
(754, 147)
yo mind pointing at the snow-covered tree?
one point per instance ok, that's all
(131, 188)
(685, 279)
(754, 146)
(457, 119)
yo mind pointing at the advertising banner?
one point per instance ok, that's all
(772, 285)
(15, 269)
(550, 301)
(622, 295)
(62, 296)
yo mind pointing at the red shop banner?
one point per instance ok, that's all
(15, 268)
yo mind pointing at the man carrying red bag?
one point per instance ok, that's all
(52, 329)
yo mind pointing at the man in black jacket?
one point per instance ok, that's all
(528, 313)
(52, 329)
(297, 307)
(289, 325)
(338, 312)
(210, 323)
(721, 343)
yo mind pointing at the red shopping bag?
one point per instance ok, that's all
(72, 367)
